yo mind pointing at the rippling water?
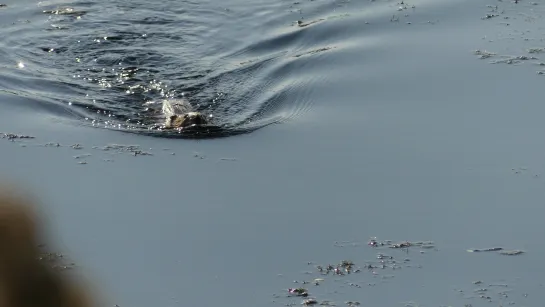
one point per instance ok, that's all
(391, 125)
(245, 64)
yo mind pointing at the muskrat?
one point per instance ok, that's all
(179, 114)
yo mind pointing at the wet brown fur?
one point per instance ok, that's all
(186, 120)
(24, 280)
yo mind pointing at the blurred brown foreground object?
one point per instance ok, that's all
(25, 281)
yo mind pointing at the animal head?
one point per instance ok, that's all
(187, 120)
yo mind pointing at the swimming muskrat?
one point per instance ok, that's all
(179, 114)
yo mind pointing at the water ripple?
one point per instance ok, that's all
(110, 64)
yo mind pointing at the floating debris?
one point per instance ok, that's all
(499, 285)
(298, 292)
(401, 245)
(404, 244)
(525, 58)
(347, 266)
(489, 16)
(142, 153)
(302, 24)
(513, 59)
(497, 249)
(132, 149)
(492, 249)
(13, 136)
(119, 147)
(483, 54)
(82, 156)
(198, 155)
(374, 243)
(535, 50)
(512, 252)
(57, 261)
(309, 302)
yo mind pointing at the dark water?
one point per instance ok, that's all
(110, 63)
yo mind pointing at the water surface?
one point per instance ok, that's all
(397, 131)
